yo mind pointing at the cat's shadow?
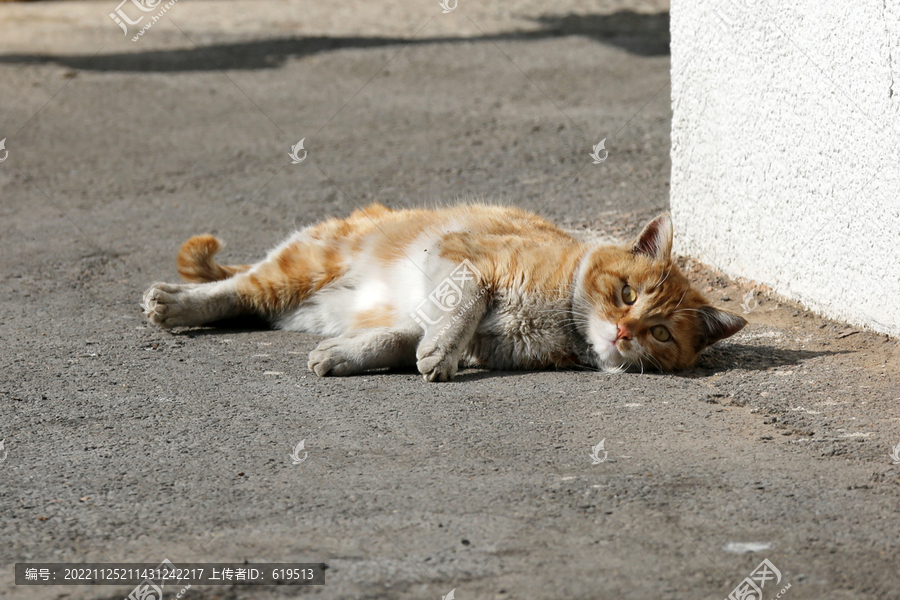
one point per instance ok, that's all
(731, 356)
(716, 359)
(248, 324)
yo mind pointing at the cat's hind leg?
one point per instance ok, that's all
(363, 349)
(269, 289)
(211, 295)
(190, 304)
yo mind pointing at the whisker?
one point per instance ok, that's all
(654, 361)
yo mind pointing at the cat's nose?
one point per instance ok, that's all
(624, 334)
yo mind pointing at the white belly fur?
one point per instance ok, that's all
(370, 284)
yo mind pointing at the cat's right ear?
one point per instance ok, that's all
(714, 324)
(655, 240)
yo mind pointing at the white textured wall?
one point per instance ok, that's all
(785, 143)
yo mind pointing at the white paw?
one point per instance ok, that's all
(435, 364)
(169, 304)
(336, 356)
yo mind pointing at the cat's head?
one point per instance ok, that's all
(636, 309)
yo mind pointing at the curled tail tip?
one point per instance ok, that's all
(206, 243)
(195, 259)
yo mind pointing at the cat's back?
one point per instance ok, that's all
(462, 230)
(504, 221)
(485, 219)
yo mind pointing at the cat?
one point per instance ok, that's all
(486, 286)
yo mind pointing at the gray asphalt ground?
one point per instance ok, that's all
(125, 443)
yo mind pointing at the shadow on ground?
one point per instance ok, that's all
(728, 356)
(227, 326)
(716, 359)
(636, 33)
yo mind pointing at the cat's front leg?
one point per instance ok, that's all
(443, 343)
(364, 349)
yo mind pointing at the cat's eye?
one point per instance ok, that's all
(661, 333)
(629, 296)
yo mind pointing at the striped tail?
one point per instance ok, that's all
(196, 264)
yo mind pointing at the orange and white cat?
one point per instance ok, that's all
(482, 286)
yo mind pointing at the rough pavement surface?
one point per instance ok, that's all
(123, 442)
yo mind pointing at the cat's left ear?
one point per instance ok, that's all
(655, 240)
(715, 324)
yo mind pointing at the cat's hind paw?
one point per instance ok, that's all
(168, 305)
(435, 364)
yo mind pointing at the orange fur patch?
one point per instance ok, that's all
(381, 316)
(297, 272)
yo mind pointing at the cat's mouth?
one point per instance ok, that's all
(610, 351)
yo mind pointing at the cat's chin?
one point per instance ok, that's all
(609, 358)
(602, 335)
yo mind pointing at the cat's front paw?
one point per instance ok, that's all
(333, 357)
(435, 364)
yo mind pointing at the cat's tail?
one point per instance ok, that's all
(196, 264)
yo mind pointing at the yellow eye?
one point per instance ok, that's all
(661, 333)
(628, 295)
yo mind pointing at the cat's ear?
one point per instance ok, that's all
(655, 240)
(715, 324)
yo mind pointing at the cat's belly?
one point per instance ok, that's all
(371, 294)
(522, 333)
